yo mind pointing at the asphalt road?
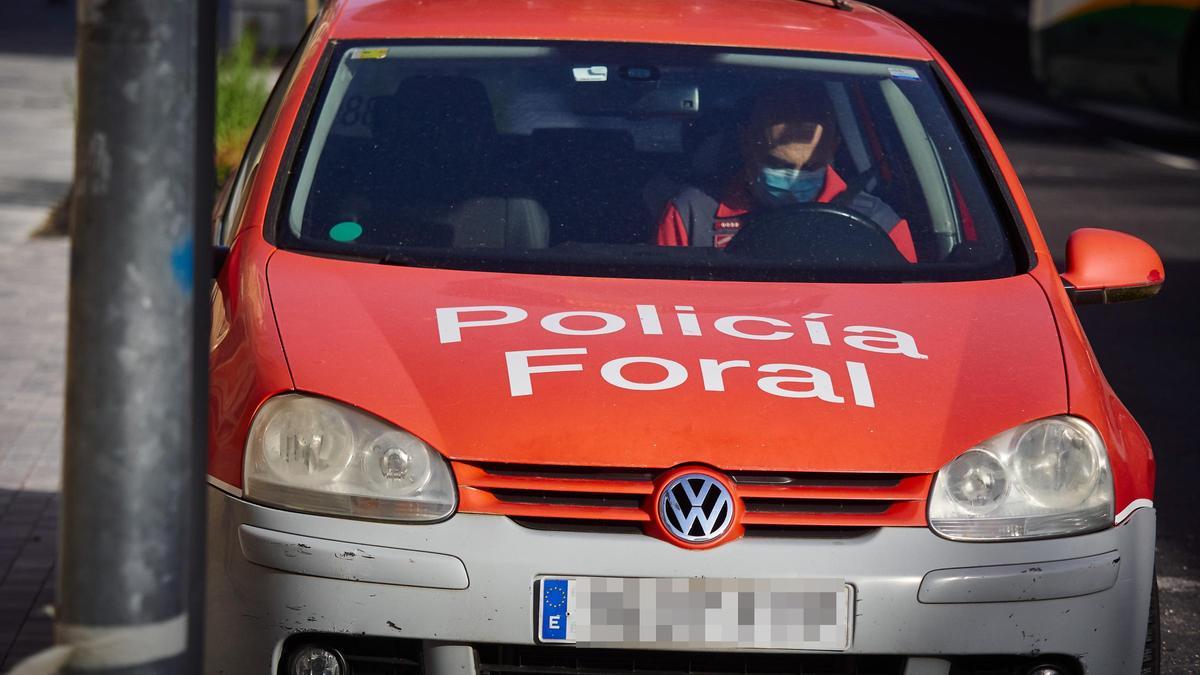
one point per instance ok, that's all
(1085, 165)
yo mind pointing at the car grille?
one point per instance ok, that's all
(543, 660)
(370, 655)
(617, 500)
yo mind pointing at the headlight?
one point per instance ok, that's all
(1042, 479)
(310, 454)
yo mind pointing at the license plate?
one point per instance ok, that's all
(695, 613)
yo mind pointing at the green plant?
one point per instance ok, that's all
(242, 90)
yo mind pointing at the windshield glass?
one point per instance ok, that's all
(641, 161)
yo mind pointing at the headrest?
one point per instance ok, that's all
(439, 107)
(438, 133)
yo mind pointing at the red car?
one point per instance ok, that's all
(674, 336)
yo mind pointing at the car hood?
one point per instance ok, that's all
(858, 377)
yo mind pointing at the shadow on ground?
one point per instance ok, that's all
(43, 27)
(28, 538)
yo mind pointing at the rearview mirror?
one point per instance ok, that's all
(1106, 266)
(669, 100)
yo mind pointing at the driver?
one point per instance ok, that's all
(786, 147)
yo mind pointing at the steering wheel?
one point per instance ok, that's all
(814, 232)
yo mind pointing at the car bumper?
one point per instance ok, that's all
(470, 580)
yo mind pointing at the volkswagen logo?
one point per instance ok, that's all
(696, 508)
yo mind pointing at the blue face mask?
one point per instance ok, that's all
(790, 186)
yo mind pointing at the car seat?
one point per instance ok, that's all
(589, 181)
(430, 176)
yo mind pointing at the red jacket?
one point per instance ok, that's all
(674, 228)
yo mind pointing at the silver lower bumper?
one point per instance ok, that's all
(469, 580)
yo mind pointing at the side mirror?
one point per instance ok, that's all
(1105, 266)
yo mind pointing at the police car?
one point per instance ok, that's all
(673, 336)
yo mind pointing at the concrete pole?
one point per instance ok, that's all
(207, 26)
(129, 533)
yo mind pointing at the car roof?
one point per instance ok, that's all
(806, 25)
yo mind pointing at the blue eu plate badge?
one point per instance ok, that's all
(555, 610)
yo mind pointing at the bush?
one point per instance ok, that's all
(242, 90)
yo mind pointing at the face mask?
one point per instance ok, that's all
(790, 186)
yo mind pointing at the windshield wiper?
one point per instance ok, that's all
(399, 258)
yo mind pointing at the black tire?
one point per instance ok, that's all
(1152, 653)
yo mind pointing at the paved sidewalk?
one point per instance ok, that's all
(36, 130)
(33, 304)
(36, 139)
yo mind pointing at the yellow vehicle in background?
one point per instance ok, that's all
(1138, 51)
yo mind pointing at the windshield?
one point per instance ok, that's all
(641, 161)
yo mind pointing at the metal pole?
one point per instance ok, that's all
(129, 476)
(206, 188)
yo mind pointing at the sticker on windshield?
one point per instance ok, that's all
(345, 232)
(904, 73)
(591, 74)
(370, 53)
